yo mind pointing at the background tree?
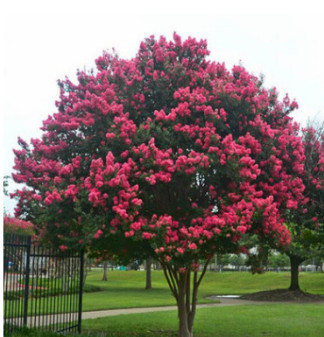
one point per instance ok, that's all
(222, 260)
(237, 261)
(278, 260)
(148, 269)
(306, 223)
(105, 273)
(169, 153)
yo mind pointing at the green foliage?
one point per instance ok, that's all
(277, 260)
(231, 259)
(237, 260)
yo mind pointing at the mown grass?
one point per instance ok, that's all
(25, 332)
(125, 289)
(273, 320)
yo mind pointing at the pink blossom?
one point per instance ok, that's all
(146, 235)
(241, 229)
(110, 135)
(192, 246)
(94, 196)
(129, 233)
(98, 234)
(137, 202)
(37, 197)
(292, 204)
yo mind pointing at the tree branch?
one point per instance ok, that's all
(194, 290)
(188, 279)
(203, 272)
(169, 280)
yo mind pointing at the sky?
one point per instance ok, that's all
(43, 41)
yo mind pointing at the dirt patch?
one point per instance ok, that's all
(283, 295)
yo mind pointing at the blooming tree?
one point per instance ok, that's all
(306, 223)
(17, 226)
(170, 153)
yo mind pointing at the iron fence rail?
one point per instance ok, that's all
(42, 287)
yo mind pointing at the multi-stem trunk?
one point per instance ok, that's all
(295, 261)
(184, 286)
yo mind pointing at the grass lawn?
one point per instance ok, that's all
(125, 289)
(273, 320)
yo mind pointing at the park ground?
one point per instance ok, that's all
(125, 289)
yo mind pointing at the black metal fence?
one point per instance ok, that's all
(42, 287)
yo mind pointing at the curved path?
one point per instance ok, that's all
(115, 312)
(62, 319)
(45, 320)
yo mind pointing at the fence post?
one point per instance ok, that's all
(27, 280)
(81, 289)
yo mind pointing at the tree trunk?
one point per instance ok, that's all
(105, 268)
(148, 268)
(85, 274)
(66, 279)
(185, 290)
(183, 309)
(295, 261)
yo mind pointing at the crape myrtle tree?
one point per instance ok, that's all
(17, 226)
(306, 223)
(169, 151)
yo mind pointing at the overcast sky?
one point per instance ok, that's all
(43, 41)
